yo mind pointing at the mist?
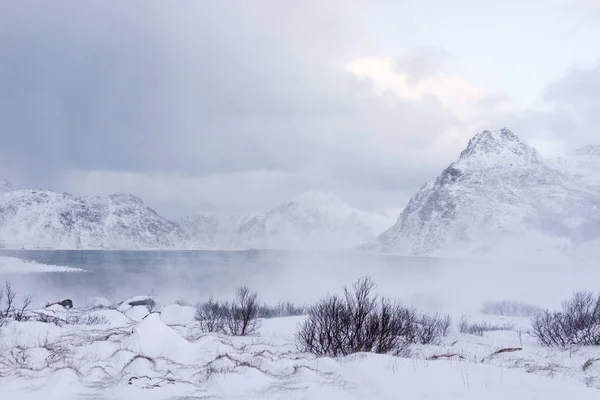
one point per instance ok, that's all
(432, 284)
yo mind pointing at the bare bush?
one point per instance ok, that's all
(577, 324)
(432, 327)
(8, 309)
(359, 321)
(243, 319)
(510, 308)
(238, 318)
(86, 320)
(479, 328)
(212, 315)
(281, 309)
(50, 319)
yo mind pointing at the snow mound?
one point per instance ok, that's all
(175, 314)
(154, 339)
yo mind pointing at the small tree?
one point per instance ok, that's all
(243, 313)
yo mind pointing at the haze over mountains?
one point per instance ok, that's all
(312, 220)
(499, 190)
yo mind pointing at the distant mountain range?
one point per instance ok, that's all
(46, 219)
(500, 191)
(312, 220)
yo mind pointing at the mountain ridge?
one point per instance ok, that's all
(498, 186)
(35, 218)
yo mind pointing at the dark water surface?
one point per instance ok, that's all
(194, 275)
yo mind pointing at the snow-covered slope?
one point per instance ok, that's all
(314, 219)
(43, 218)
(583, 165)
(498, 188)
(5, 185)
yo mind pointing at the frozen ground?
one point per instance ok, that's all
(129, 353)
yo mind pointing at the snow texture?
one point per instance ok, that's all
(120, 358)
(313, 220)
(46, 219)
(501, 189)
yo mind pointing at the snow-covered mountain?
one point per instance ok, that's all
(5, 185)
(314, 220)
(583, 165)
(498, 188)
(43, 218)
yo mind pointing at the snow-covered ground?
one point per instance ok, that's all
(11, 265)
(131, 353)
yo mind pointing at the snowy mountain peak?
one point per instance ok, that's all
(591, 150)
(499, 146)
(499, 188)
(5, 185)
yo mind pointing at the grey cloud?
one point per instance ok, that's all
(575, 104)
(198, 87)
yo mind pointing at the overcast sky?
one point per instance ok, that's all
(244, 104)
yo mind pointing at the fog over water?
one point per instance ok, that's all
(452, 285)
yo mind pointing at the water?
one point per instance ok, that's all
(197, 275)
(300, 277)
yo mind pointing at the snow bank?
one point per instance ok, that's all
(129, 359)
(178, 315)
(11, 265)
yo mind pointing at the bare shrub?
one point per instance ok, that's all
(8, 309)
(359, 321)
(432, 327)
(50, 319)
(479, 328)
(238, 318)
(212, 315)
(86, 320)
(577, 324)
(281, 309)
(510, 308)
(243, 319)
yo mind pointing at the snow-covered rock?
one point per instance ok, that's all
(46, 219)
(314, 220)
(498, 188)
